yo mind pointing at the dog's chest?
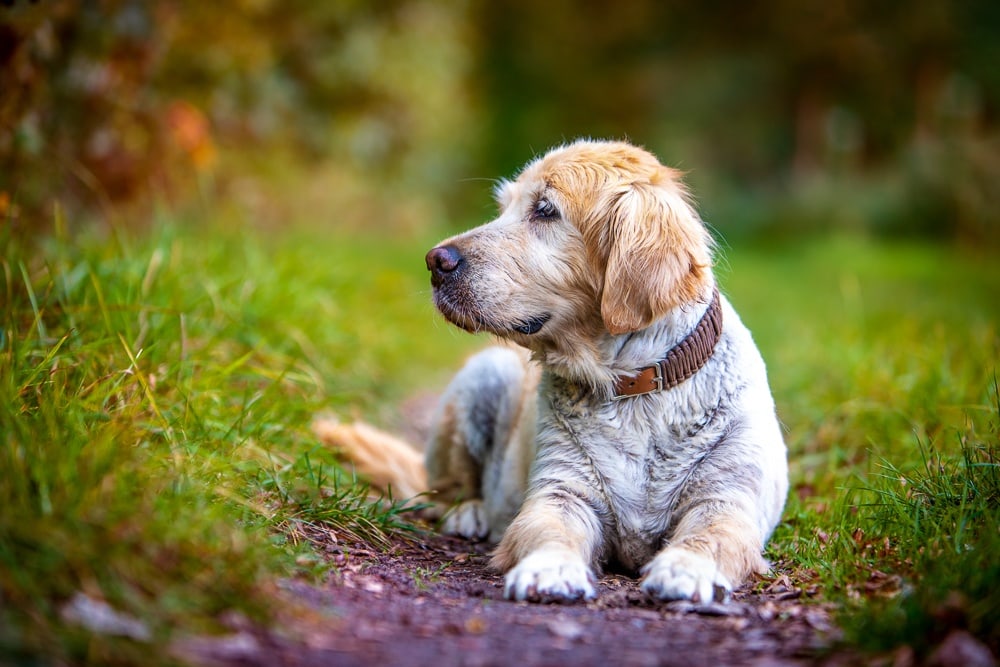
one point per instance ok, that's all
(640, 459)
(646, 478)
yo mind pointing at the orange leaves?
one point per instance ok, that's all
(191, 133)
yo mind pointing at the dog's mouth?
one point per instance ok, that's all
(475, 321)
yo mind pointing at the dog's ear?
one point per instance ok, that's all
(659, 254)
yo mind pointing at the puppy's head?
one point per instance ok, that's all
(593, 237)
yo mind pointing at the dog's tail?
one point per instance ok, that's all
(390, 464)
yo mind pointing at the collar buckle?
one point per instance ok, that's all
(627, 385)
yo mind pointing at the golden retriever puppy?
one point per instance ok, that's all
(635, 423)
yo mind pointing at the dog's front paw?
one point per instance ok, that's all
(550, 576)
(678, 574)
(468, 520)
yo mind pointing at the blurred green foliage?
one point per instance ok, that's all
(789, 116)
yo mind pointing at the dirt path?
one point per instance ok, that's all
(434, 602)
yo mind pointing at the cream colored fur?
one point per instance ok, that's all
(387, 462)
(597, 264)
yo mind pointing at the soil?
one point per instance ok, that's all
(433, 601)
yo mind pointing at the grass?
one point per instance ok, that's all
(884, 359)
(943, 521)
(156, 391)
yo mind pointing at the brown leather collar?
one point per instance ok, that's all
(682, 361)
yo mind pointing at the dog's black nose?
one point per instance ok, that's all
(442, 261)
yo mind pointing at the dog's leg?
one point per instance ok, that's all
(481, 443)
(732, 501)
(549, 549)
(714, 547)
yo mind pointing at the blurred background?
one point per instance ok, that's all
(789, 117)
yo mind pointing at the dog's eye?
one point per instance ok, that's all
(544, 210)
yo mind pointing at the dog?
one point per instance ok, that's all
(627, 420)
